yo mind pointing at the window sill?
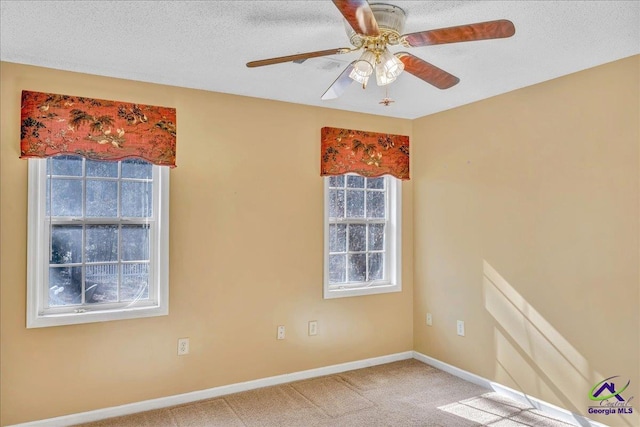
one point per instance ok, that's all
(60, 319)
(355, 292)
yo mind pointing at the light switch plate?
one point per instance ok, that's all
(313, 328)
(460, 327)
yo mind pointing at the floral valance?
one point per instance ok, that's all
(368, 154)
(96, 129)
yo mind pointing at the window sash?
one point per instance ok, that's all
(385, 250)
(47, 308)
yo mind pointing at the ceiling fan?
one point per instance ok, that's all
(373, 27)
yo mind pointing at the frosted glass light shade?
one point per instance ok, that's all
(388, 69)
(382, 78)
(392, 65)
(359, 77)
(363, 67)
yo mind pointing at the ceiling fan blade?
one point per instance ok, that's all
(359, 15)
(298, 56)
(462, 33)
(427, 72)
(340, 85)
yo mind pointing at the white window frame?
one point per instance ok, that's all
(392, 282)
(38, 246)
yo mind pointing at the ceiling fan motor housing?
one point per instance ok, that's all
(390, 21)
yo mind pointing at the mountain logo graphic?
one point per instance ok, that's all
(606, 389)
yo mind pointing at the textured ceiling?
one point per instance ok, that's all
(206, 44)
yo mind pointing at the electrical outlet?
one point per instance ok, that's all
(429, 319)
(183, 346)
(460, 327)
(313, 327)
(280, 332)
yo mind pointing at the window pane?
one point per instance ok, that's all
(337, 238)
(65, 286)
(102, 243)
(135, 243)
(136, 168)
(135, 282)
(376, 237)
(337, 273)
(136, 199)
(336, 203)
(66, 244)
(357, 237)
(102, 198)
(66, 199)
(376, 266)
(355, 204)
(377, 183)
(101, 283)
(375, 204)
(101, 168)
(355, 181)
(336, 181)
(357, 267)
(65, 166)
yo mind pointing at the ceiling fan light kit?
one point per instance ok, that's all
(373, 27)
(389, 20)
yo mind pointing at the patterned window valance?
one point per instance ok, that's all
(368, 154)
(96, 129)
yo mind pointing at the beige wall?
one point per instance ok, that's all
(526, 227)
(247, 187)
(526, 211)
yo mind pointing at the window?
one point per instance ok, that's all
(362, 235)
(98, 240)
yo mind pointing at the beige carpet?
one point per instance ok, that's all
(405, 393)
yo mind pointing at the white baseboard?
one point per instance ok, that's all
(179, 399)
(545, 407)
